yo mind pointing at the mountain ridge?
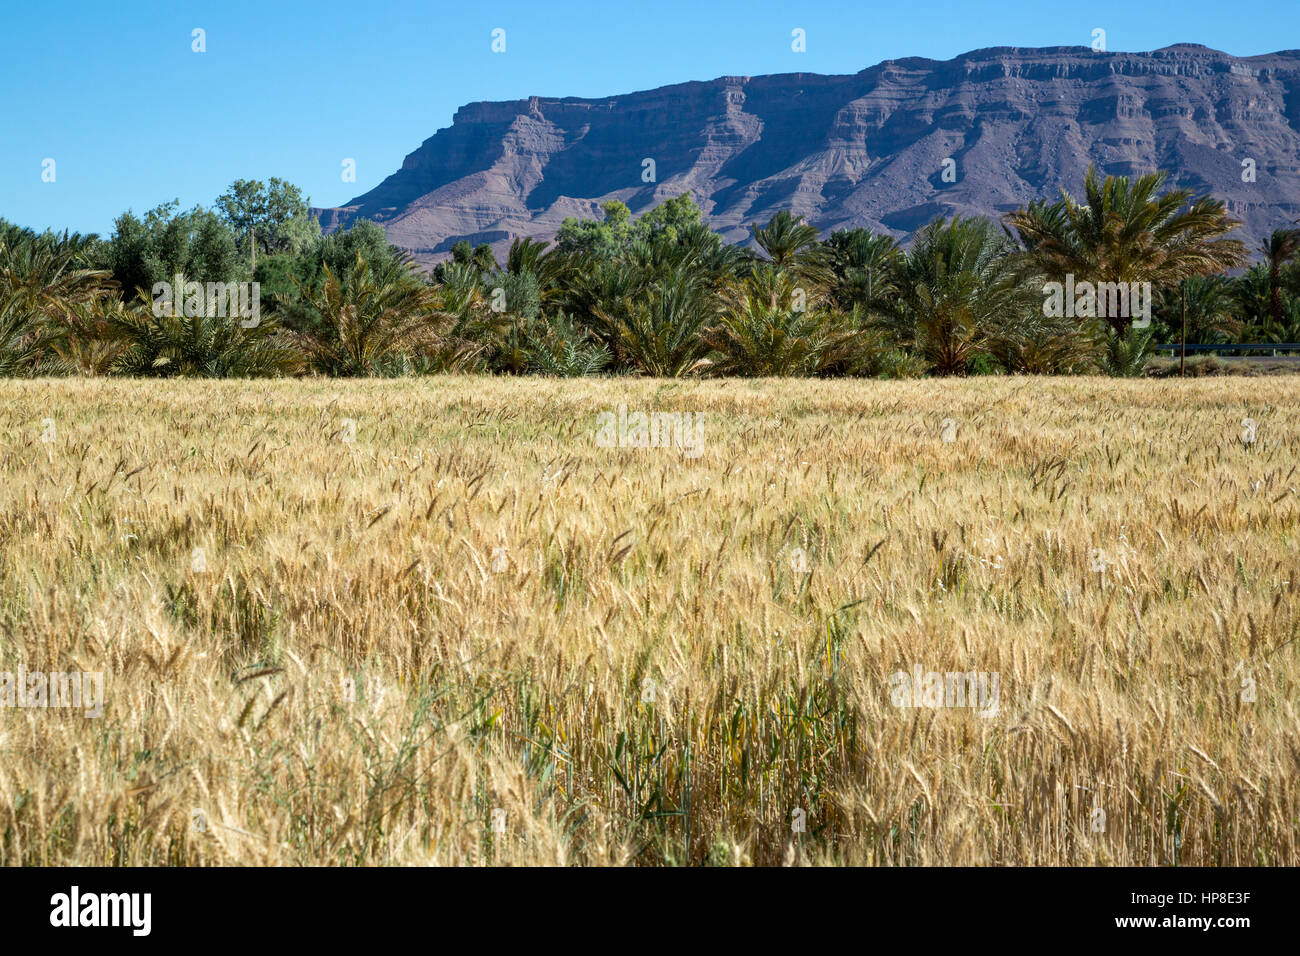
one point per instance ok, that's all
(861, 149)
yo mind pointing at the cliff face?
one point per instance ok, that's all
(861, 150)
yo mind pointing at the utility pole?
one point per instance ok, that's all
(1182, 363)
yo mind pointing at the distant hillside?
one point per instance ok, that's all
(861, 150)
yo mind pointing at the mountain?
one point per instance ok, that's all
(867, 149)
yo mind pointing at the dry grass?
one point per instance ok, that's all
(635, 573)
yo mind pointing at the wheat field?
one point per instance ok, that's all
(437, 622)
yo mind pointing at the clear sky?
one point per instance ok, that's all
(114, 94)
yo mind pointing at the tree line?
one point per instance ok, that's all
(660, 294)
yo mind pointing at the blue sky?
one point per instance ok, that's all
(114, 94)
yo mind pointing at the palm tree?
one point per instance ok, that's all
(1124, 356)
(359, 323)
(558, 346)
(1126, 231)
(42, 279)
(50, 273)
(162, 341)
(658, 330)
(765, 332)
(1210, 308)
(22, 338)
(550, 267)
(1278, 249)
(84, 340)
(864, 264)
(475, 332)
(785, 239)
(793, 245)
(1250, 295)
(959, 291)
(600, 285)
(1285, 331)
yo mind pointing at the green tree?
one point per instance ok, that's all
(273, 216)
(131, 255)
(792, 244)
(1127, 230)
(658, 330)
(519, 291)
(959, 291)
(1278, 249)
(864, 264)
(1210, 308)
(483, 258)
(671, 219)
(284, 275)
(165, 242)
(158, 340)
(600, 239)
(359, 321)
(765, 331)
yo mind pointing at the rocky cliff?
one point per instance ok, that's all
(868, 149)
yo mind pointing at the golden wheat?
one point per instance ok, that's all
(434, 621)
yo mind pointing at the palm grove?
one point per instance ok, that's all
(658, 295)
